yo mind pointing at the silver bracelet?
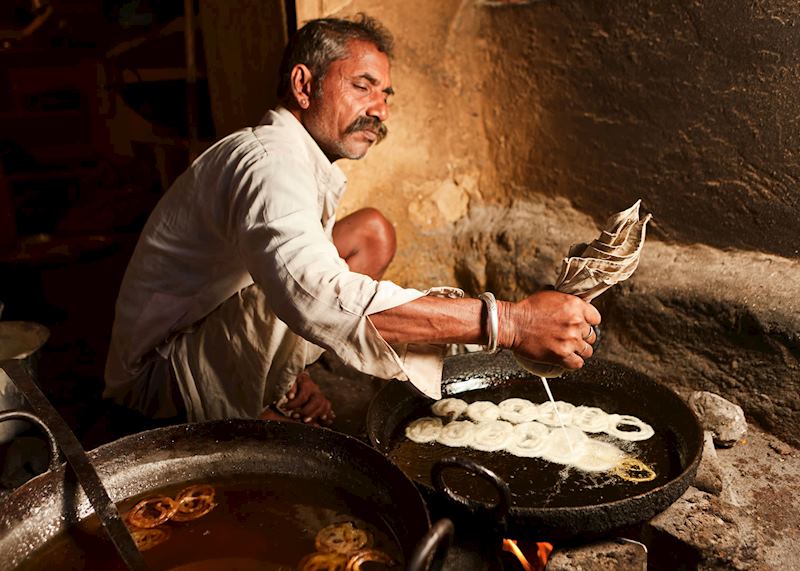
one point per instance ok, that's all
(493, 322)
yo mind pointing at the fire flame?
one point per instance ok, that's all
(536, 559)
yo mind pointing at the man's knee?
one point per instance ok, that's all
(380, 233)
(366, 240)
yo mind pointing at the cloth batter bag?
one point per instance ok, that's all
(591, 269)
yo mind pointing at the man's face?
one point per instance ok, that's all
(346, 113)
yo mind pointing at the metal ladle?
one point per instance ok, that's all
(59, 433)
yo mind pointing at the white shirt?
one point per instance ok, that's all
(258, 206)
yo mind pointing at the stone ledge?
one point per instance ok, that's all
(701, 532)
(697, 318)
(613, 555)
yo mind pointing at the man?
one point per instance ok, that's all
(242, 275)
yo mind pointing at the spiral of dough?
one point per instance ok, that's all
(492, 435)
(456, 433)
(590, 419)
(482, 411)
(449, 408)
(528, 439)
(425, 429)
(518, 410)
(642, 430)
(598, 456)
(565, 445)
(553, 414)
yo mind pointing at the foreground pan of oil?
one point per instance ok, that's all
(264, 523)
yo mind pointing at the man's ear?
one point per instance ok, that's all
(301, 85)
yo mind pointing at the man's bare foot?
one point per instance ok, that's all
(307, 403)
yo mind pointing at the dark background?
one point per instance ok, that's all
(100, 110)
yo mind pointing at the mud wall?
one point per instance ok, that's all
(519, 126)
(688, 105)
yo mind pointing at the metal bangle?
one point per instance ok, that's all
(492, 321)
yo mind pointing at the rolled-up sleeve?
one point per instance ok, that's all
(276, 220)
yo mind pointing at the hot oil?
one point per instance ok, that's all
(263, 523)
(535, 482)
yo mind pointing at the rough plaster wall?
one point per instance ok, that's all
(434, 164)
(690, 105)
(519, 126)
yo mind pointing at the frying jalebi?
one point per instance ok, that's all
(528, 440)
(343, 538)
(545, 437)
(634, 470)
(357, 559)
(590, 419)
(518, 410)
(491, 436)
(194, 502)
(322, 562)
(340, 547)
(152, 512)
(554, 413)
(452, 408)
(598, 456)
(564, 445)
(642, 430)
(425, 429)
(483, 411)
(456, 433)
(148, 538)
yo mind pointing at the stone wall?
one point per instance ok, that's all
(519, 126)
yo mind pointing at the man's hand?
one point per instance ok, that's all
(549, 327)
(307, 403)
(270, 414)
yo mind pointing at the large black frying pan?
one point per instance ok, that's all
(544, 500)
(307, 462)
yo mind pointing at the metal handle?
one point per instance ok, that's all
(596, 344)
(76, 457)
(55, 460)
(498, 511)
(430, 553)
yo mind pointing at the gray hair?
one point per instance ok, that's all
(320, 42)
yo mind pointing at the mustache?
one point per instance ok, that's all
(369, 124)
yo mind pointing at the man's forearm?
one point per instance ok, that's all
(547, 326)
(434, 320)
